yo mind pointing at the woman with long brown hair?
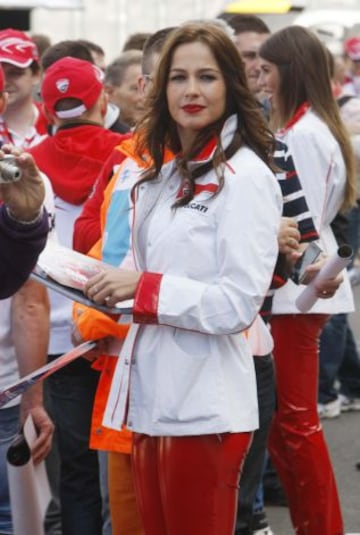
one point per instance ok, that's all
(205, 249)
(305, 116)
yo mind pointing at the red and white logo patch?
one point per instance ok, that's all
(62, 85)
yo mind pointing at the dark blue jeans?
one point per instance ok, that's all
(254, 462)
(72, 394)
(339, 359)
(354, 228)
(9, 426)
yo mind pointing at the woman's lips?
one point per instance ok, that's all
(193, 108)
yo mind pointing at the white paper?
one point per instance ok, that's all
(29, 490)
(66, 271)
(332, 267)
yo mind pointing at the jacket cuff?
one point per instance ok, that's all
(147, 298)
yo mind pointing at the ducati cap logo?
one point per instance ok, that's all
(63, 84)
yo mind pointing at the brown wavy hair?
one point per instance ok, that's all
(157, 131)
(304, 74)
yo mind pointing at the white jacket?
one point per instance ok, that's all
(192, 372)
(321, 170)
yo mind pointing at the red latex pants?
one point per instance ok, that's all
(297, 446)
(188, 485)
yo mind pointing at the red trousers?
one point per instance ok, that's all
(297, 446)
(188, 485)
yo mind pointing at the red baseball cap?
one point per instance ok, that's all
(2, 79)
(17, 48)
(71, 78)
(352, 48)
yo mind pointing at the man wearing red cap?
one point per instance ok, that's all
(75, 103)
(352, 58)
(22, 124)
(20, 245)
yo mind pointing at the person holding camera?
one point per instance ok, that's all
(24, 310)
(23, 224)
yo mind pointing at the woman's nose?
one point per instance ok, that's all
(192, 86)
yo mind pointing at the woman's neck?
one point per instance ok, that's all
(187, 138)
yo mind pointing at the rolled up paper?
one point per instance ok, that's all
(28, 484)
(20, 386)
(332, 267)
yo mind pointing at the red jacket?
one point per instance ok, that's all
(73, 157)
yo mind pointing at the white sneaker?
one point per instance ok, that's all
(332, 409)
(349, 404)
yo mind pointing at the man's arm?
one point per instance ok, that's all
(87, 228)
(30, 327)
(23, 225)
(20, 246)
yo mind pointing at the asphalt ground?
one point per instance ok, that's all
(343, 439)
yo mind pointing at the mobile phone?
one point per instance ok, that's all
(309, 256)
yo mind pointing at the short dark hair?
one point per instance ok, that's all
(114, 73)
(93, 47)
(136, 41)
(74, 49)
(247, 23)
(154, 45)
(42, 42)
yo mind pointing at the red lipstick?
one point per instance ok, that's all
(193, 108)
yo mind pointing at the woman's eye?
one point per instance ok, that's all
(177, 78)
(207, 77)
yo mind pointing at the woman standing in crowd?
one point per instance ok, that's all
(295, 76)
(205, 250)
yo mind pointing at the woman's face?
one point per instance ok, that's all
(196, 92)
(269, 82)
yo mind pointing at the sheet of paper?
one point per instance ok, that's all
(66, 271)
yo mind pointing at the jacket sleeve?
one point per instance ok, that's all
(320, 166)
(87, 229)
(20, 246)
(246, 252)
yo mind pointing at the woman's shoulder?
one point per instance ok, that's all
(308, 122)
(311, 129)
(248, 172)
(246, 161)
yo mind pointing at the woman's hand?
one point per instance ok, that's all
(288, 236)
(111, 286)
(327, 288)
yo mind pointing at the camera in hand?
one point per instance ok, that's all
(9, 171)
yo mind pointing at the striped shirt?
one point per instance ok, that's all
(295, 206)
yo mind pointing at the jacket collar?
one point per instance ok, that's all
(226, 136)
